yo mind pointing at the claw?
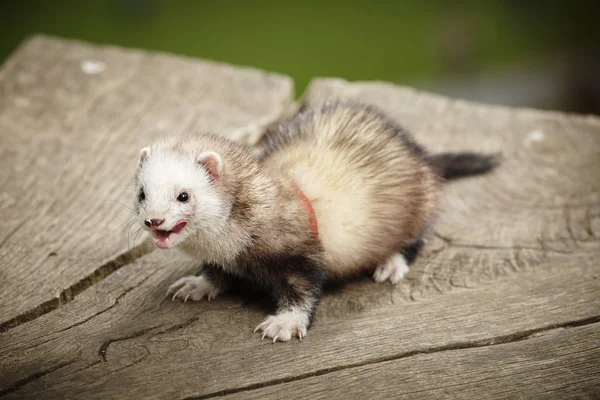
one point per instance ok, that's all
(299, 332)
(376, 275)
(264, 335)
(260, 326)
(173, 289)
(275, 338)
(186, 297)
(174, 297)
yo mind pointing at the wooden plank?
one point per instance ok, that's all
(72, 119)
(560, 364)
(121, 335)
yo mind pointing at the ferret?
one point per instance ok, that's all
(337, 191)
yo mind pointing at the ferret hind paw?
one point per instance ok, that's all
(393, 269)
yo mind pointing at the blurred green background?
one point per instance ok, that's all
(534, 53)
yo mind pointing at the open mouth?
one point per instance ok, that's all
(165, 239)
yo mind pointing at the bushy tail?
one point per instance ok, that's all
(458, 165)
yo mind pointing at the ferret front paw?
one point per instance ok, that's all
(192, 287)
(393, 269)
(284, 325)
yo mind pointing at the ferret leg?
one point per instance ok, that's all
(210, 283)
(393, 269)
(297, 294)
(411, 252)
(396, 266)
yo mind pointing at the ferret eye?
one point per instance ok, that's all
(142, 195)
(183, 197)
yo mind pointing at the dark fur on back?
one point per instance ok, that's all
(446, 165)
(284, 134)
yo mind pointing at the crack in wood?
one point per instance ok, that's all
(139, 360)
(84, 368)
(104, 347)
(69, 294)
(178, 326)
(11, 233)
(511, 264)
(514, 248)
(568, 222)
(519, 260)
(33, 377)
(443, 238)
(588, 222)
(435, 284)
(451, 243)
(115, 303)
(494, 341)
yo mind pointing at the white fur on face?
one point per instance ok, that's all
(163, 176)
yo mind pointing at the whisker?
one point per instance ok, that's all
(128, 225)
(135, 236)
(128, 208)
(129, 235)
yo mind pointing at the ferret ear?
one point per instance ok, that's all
(144, 153)
(212, 162)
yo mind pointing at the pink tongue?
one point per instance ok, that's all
(177, 228)
(164, 235)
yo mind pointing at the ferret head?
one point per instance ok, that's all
(176, 195)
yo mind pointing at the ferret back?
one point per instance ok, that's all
(371, 189)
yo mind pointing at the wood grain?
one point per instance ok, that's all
(516, 255)
(122, 334)
(70, 141)
(560, 364)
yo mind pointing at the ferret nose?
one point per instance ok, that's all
(150, 222)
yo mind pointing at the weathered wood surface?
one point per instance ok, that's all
(516, 255)
(69, 141)
(120, 335)
(555, 364)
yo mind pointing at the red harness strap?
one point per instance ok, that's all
(313, 218)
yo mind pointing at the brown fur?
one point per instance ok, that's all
(372, 192)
